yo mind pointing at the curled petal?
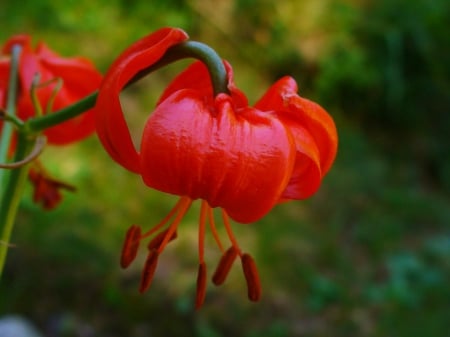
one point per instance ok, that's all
(78, 78)
(314, 132)
(218, 155)
(4, 77)
(111, 125)
(306, 175)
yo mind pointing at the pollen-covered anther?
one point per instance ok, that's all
(149, 270)
(201, 285)
(130, 246)
(251, 277)
(159, 238)
(224, 266)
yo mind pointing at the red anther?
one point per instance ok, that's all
(251, 277)
(224, 266)
(201, 286)
(149, 270)
(130, 246)
(158, 239)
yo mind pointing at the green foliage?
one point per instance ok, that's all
(367, 256)
(388, 69)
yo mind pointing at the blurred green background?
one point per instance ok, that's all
(369, 255)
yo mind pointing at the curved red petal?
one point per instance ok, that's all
(111, 125)
(299, 113)
(23, 40)
(79, 78)
(321, 126)
(238, 161)
(306, 175)
(4, 78)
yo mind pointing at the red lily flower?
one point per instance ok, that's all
(62, 81)
(216, 148)
(4, 76)
(79, 78)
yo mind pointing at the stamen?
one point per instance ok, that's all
(201, 231)
(201, 285)
(224, 266)
(130, 246)
(165, 220)
(251, 277)
(158, 239)
(212, 224)
(185, 203)
(149, 270)
(227, 224)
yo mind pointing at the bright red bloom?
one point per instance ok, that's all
(79, 79)
(76, 77)
(4, 77)
(241, 159)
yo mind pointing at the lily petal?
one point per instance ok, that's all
(228, 160)
(111, 125)
(311, 125)
(79, 78)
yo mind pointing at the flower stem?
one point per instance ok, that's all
(180, 51)
(199, 51)
(11, 198)
(7, 130)
(40, 123)
(11, 192)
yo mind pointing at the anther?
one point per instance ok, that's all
(158, 239)
(224, 266)
(130, 246)
(201, 285)
(251, 277)
(149, 270)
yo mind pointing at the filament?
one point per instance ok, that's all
(163, 221)
(201, 231)
(231, 236)
(212, 225)
(184, 205)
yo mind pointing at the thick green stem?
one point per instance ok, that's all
(11, 198)
(41, 123)
(7, 130)
(180, 51)
(199, 51)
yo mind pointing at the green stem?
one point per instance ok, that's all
(41, 123)
(199, 51)
(180, 51)
(11, 198)
(7, 129)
